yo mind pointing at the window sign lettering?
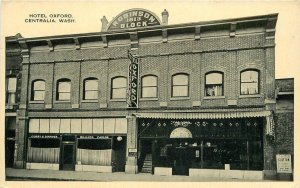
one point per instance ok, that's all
(284, 163)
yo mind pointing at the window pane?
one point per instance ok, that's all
(249, 76)
(149, 92)
(249, 88)
(54, 125)
(39, 85)
(149, 81)
(119, 93)
(39, 95)
(98, 126)
(64, 96)
(109, 125)
(44, 125)
(214, 90)
(87, 126)
(180, 91)
(214, 78)
(180, 80)
(65, 125)
(11, 98)
(34, 125)
(12, 84)
(75, 125)
(64, 86)
(121, 125)
(119, 82)
(91, 95)
(91, 85)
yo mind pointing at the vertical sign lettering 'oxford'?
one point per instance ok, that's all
(132, 97)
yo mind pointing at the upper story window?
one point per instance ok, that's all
(214, 84)
(90, 89)
(118, 88)
(149, 86)
(249, 82)
(180, 85)
(38, 90)
(11, 90)
(63, 90)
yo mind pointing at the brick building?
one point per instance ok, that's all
(205, 98)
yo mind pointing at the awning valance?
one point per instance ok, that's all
(203, 115)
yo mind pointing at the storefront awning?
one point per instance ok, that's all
(204, 115)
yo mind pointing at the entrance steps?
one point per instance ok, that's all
(147, 165)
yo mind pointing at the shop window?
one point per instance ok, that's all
(214, 84)
(11, 90)
(38, 90)
(249, 82)
(90, 89)
(149, 86)
(63, 90)
(43, 150)
(180, 85)
(118, 88)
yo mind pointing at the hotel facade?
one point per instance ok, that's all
(142, 96)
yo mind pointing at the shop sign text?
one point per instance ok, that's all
(132, 97)
(134, 18)
(44, 136)
(93, 137)
(284, 163)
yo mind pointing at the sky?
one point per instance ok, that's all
(87, 17)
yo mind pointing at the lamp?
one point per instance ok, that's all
(119, 138)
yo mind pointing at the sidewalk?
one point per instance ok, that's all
(53, 175)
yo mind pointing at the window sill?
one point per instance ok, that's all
(36, 102)
(149, 99)
(89, 101)
(251, 96)
(117, 100)
(62, 101)
(214, 97)
(179, 98)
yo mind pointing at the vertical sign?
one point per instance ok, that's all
(133, 77)
(284, 163)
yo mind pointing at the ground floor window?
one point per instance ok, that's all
(41, 150)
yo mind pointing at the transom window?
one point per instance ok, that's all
(38, 90)
(180, 85)
(90, 89)
(118, 88)
(214, 84)
(249, 82)
(149, 86)
(63, 90)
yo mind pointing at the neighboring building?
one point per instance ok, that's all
(12, 90)
(202, 96)
(284, 119)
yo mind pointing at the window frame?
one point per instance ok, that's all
(258, 81)
(85, 90)
(33, 90)
(205, 85)
(188, 85)
(112, 88)
(11, 92)
(57, 89)
(142, 86)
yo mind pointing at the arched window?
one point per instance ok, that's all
(63, 90)
(38, 90)
(149, 86)
(180, 85)
(249, 82)
(90, 86)
(214, 84)
(118, 88)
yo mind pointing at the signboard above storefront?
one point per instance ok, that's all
(134, 18)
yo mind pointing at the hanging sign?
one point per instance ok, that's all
(134, 18)
(284, 163)
(133, 75)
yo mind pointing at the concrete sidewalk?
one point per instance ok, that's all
(53, 175)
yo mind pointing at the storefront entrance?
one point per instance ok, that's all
(68, 156)
(181, 163)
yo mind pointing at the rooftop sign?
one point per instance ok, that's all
(134, 18)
